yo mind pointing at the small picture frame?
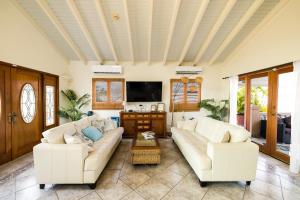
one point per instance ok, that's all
(153, 108)
(161, 107)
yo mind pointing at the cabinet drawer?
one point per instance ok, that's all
(143, 121)
(153, 116)
(160, 116)
(129, 116)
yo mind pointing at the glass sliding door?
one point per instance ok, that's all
(268, 103)
(258, 109)
(284, 87)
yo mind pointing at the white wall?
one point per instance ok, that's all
(22, 44)
(82, 81)
(278, 42)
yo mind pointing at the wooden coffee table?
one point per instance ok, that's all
(145, 151)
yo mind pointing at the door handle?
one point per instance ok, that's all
(12, 117)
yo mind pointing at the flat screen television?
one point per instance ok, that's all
(138, 91)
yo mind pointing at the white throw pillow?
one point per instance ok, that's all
(110, 124)
(81, 124)
(189, 125)
(72, 139)
(238, 134)
(180, 124)
(99, 124)
(223, 137)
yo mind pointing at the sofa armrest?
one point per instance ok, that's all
(233, 161)
(59, 163)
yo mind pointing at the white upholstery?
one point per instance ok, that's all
(71, 163)
(56, 135)
(213, 160)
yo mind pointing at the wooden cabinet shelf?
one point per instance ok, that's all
(137, 122)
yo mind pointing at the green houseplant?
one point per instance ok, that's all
(219, 110)
(74, 104)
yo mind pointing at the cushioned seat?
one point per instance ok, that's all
(217, 150)
(102, 149)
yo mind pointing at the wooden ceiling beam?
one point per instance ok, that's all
(105, 27)
(75, 12)
(150, 30)
(49, 13)
(247, 16)
(230, 4)
(171, 30)
(127, 20)
(194, 28)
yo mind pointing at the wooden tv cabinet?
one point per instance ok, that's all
(137, 122)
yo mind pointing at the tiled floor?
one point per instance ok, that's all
(172, 179)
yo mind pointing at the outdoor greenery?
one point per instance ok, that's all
(72, 111)
(218, 109)
(257, 95)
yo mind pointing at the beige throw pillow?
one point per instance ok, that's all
(189, 125)
(180, 124)
(220, 137)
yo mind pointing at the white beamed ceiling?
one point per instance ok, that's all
(142, 32)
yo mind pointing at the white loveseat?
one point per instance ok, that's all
(58, 163)
(217, 151)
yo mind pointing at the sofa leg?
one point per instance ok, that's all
(248, 183)
(93, 185)
(42, 186)
(202, 183)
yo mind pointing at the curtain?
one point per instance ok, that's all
(295, 132)
(233, 81)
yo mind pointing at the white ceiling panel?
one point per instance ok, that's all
(134, 30)
(162, 13)
(63, 13)
(139, 14)
(43, 21)
(236, 13)
(259, 15)
(117, 28)
(186, 15)
(215, 7)
(88, 13)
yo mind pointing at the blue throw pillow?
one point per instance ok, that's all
(92, 132)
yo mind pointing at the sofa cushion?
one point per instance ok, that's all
(103, 149)
(180, 124)
(238, 134)
(99, 124)
(215, 131)
(189, 125)
(194, 148)
(56, 135)
(81, 124)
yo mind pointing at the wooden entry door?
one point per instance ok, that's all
(5, 110)
(26, 110)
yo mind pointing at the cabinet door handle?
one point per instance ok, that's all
(12, 117)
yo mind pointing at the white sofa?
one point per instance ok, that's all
(58, 163)
(217, 151)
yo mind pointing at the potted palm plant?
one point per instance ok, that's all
(218, 110)
(74, 104)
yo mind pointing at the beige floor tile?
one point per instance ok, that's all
(153, 189)
(268, 177)
(109, 176)
(168, 178)
(7, 186)
(135, 179)
(133, 196)
(180, 167)
(187, 189)
(91, 196)
(225, 191)
(113, 191)
(250, 195)
(24, 182)
(69, 192)
(266, 189)
(34, 192)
